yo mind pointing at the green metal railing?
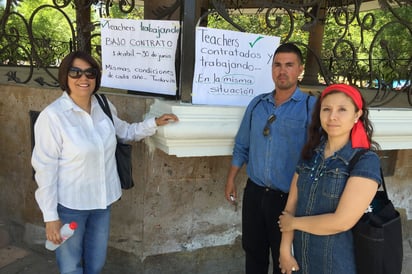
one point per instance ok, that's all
(340, 40)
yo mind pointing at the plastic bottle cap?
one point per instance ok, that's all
(73, 225)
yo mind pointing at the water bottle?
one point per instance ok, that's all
(66, 231)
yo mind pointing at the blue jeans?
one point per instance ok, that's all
(85, 251)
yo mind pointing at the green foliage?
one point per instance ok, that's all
(275, 24)
(348, 43)
(48, 27)
(378, 35)
(377, 39)
(136, 13)
(51, 30)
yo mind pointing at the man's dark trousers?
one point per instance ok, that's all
(260, 233)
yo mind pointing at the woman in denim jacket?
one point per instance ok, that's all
(326, 199)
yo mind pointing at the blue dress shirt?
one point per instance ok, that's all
(271, 160)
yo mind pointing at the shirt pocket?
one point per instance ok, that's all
(334, 184)
(106, 131)
(292, 131)
(292, 124)
(74, 143)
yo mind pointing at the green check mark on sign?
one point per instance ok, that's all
(252, 44)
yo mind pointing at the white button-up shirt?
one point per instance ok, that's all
(74, 155)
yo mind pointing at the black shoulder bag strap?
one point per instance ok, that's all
(101, 98)
(307, 110)
(123, 151)
(253, 108)
(355, 159)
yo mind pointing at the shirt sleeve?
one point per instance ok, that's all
(368, 166)
(299, 165)
(44, 160)
(242, 139)
(132, 131)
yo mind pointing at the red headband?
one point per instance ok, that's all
(358, 136)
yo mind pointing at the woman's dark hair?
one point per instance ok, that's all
(67, 63)
(316, 133)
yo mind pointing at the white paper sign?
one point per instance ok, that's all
(139, 55)
(232, 67)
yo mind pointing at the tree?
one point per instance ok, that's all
(38, 29)
(356, 48)
(380, 44)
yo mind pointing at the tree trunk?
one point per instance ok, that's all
(83, 26)
(315, 44)
(162, 9)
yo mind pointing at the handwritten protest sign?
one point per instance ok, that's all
(139, 55)
(232, 67)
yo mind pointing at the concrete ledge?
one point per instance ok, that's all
(206, 130)
(203, 130)
(392, 127)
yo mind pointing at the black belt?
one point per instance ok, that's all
(265, 188)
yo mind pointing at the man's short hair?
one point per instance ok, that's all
(290, 48)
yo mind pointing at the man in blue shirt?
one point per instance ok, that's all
(269, 142)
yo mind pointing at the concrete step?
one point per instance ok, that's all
(4, 235)
(11, 254)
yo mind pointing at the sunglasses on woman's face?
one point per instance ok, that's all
(76, 73)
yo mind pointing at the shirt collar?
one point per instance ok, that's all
(345, 154)
(297, 95)
(68, 104)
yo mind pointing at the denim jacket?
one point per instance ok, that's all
(320, 185)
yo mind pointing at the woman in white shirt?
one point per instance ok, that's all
(75, 165)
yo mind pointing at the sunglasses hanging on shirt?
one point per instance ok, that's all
(271, 119)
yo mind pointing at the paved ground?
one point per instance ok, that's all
(22, 253)
(35, 259)
(19, 257)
